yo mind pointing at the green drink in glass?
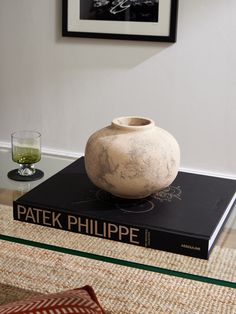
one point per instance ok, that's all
(26, 151)
(25, 155)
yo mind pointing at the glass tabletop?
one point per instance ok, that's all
(220, 269)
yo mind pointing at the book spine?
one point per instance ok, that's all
(156, 239)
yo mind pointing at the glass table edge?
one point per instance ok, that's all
(118, 261)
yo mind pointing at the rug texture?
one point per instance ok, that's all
(221, 264)
(28, 271)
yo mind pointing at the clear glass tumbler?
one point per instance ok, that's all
(26, 151)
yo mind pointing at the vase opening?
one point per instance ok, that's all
(133, 122)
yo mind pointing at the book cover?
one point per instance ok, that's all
(185, 218)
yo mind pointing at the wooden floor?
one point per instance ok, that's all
(7, 196)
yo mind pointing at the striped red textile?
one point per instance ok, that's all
(81, 301)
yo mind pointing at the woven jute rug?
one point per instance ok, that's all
(221, 264)
(26, 271)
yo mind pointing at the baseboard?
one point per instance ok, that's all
(5, 145)
(209, 173)
(61, 153)
(73, 155)
(49, 151)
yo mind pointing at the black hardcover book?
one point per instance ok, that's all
(185, 218)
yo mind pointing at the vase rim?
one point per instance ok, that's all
(133, 122)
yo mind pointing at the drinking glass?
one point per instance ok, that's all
(26, 151)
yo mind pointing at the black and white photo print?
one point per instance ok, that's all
(147, 20)
(120, 10)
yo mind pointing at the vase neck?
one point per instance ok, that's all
(133, 123)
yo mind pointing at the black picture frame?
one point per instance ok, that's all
(162, 30)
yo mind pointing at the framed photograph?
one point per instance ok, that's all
(150, 20)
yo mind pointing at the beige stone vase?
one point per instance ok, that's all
(132, 158)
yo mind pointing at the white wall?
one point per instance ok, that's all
(69, 87)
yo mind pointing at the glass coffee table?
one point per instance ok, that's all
(220, 269)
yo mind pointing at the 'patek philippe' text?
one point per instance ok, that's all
(78, 224)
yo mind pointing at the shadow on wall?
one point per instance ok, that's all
(102, 53)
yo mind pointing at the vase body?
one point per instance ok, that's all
(132, 158)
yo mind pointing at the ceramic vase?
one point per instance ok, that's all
(132, 158)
